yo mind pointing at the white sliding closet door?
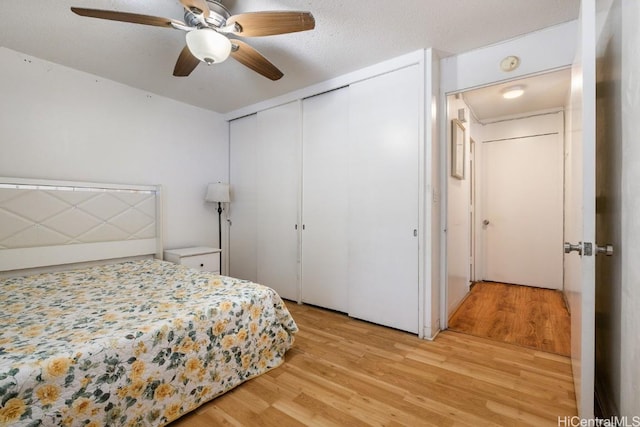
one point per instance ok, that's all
(243, 134)
(384, 161)
(325, 202)
(278, 186)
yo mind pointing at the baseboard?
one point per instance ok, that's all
(430, 334)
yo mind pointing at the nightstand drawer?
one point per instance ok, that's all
(206, 262)
(200, 258)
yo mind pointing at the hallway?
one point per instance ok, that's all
(530, 317)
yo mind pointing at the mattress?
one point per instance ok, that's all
(134, 343)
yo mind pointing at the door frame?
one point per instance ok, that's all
(473, 206)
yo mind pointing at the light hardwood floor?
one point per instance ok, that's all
(345, 372)
(523, 315)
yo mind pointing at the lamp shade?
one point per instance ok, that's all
(218, 192)
(208, 45)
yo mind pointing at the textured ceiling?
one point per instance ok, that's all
(349, 35)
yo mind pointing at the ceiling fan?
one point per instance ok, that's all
(208, 24)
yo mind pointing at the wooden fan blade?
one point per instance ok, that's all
(249, 57)
(186, 63)
(133, 18)
(255, 24)
(196, 6)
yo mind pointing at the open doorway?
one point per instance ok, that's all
(505, 212)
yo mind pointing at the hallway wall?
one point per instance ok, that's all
(458, 224)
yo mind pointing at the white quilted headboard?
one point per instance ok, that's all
(44, 223)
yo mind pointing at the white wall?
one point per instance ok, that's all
(60, 123)
(547, 49)
(458, 210)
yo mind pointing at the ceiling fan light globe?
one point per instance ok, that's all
(208, 45)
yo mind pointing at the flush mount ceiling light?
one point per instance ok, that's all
(208, 45)
(512, 92)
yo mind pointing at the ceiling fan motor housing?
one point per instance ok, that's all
(218, 15)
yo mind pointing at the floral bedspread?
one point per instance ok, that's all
(137, 343)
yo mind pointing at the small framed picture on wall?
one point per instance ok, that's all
(457, 149)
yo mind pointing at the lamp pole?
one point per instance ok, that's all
(220, 233)
(219, 193)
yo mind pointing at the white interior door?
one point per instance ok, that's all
(522, 207)
(277, 187)
(243, 208)
(325, 242)
(580, 211)
(384, 160)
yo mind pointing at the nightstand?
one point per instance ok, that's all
(201, 258)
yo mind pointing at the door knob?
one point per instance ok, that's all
(587, 249)
(605, 250)
(485, 222)
(568, 248)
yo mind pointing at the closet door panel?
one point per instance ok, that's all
(383, 199)
(243, 134)
(325, 200)
(278, 187)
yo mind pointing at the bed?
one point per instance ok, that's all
(139, 341)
